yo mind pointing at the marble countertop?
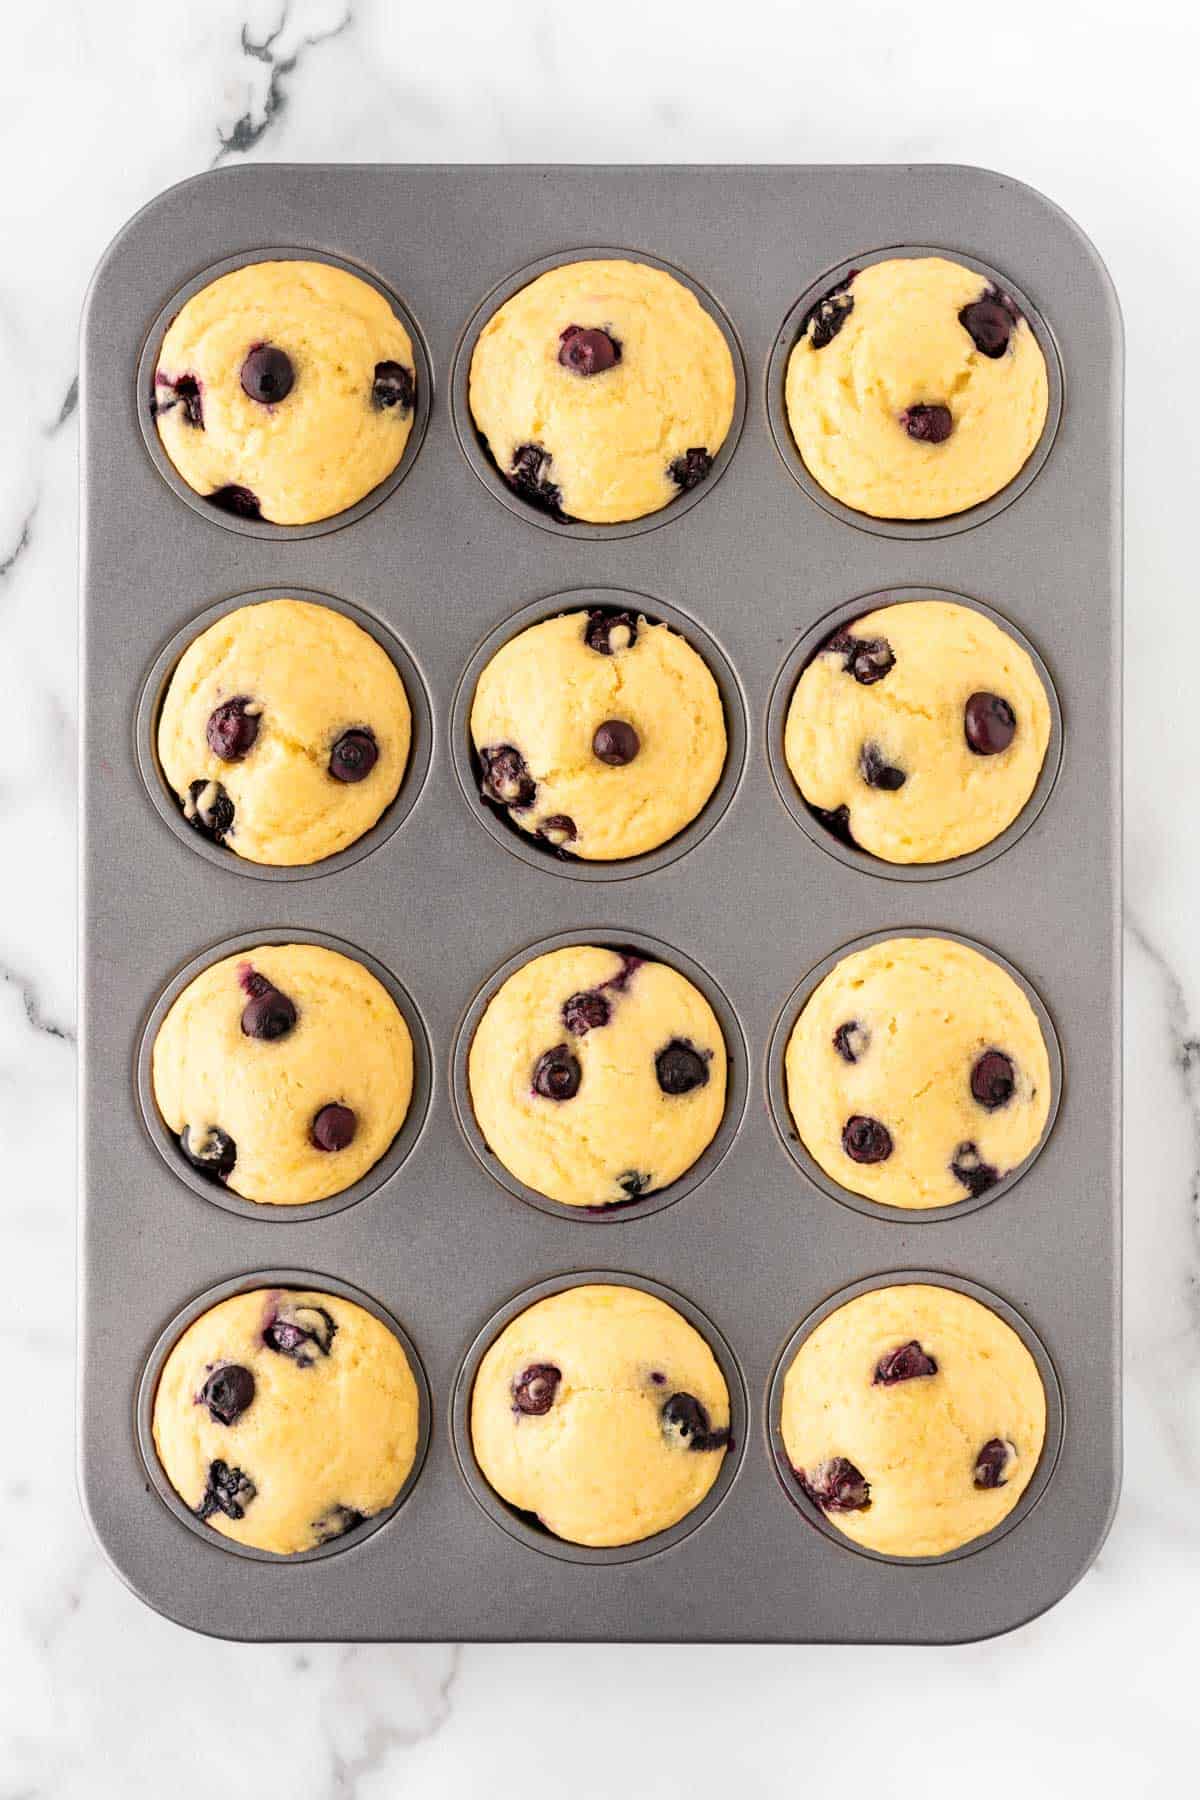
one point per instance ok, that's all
(106, 105)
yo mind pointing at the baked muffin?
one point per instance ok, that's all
(285, 1419)
(285, 391)
(603, 1412)
(603, 390)
(918, 732)
(914, 1418)
(597, 1076)
(917, 1074)
(599, 733)
(285, 1071)
(915, 389)
(285, 732)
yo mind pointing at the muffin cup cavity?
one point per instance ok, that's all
(808, 647)
(164, 799)
(1051, 1447)
(786, 1126)
(541, 855)
(263, 528)
(302, 1280)
(785, 443)
(736, 1083)
(479, 457)
(389, 1163)
(519, 1524)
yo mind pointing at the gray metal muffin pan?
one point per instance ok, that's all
(750, 563)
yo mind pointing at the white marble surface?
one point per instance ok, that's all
(103, 105)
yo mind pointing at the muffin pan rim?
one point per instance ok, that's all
(1011, 1316)
(737, 1074)
(808, 646)
(266, 528)
(733, 704)
(789, 1133)
(298, 1281)
(412, 1127)
(422, 741)
(480, 459)
(509, 1517)
(948, 524)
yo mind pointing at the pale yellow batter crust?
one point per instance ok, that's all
(329, 1433)
(892, 1036)
(348, 1047)
(547, 692)
(927, 1446)
(610, 437)
(911, 721)
(308, 675)
(617, 1454)
(619, 1134)
(329, 441)
(900, 345)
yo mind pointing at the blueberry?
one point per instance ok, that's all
(969, 1167)
(236, 500)
(928, 424)
(993, 1463)
(836, 823)
(685, 1421)
(558, 830)
(298, 1331)
(211, 1151)
(681, 1067)
(528, 478)
(268, 1015)
(228, 1491)
(608, 632)
(836, 1486)
(557, 1074)
(690, 469)
(615, 743)
(903, 1364)
(337, 1522)
(586, 1012)
(354, 755)
(268, 375)
(588, 352)
(866, 1140)
(333, 1127)
(633, 1184)
(394, 385)
(233, 728)
(209, 810)
(534, 1390)
(186, 393)
(867, 659)
(826, 316)
(851, 1040)
(989, 321)
(228, 1392)
(877, 772)
(506, 777)
(990, 724)
(993, 1079)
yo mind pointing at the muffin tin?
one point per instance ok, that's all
(434, 899)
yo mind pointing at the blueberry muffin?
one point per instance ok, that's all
(599, 733)
(285, 1072)
(286, 1419)
(597, 1076)
(285, 732)
(285, 391)
(917, 1074)
(914, 1418)
(603, 1412)
(603, 390)
(918, 732)
(915, 390)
